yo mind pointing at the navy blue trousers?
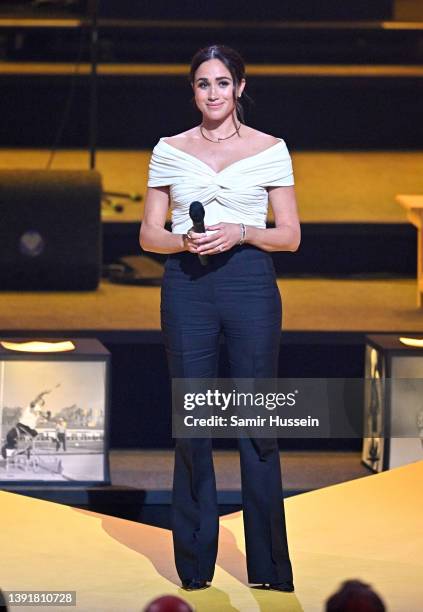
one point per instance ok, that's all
(237, 295)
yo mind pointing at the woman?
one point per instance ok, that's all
(234, 171)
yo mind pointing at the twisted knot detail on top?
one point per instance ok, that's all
(235, 194)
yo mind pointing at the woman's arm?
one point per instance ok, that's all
(153, 234)
(286, 235)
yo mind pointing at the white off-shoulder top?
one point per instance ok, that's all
(236, 194)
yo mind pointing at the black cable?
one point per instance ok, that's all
(68, 105)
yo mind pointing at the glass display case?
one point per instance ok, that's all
(54, 412)
(393, 404)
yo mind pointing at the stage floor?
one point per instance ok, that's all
(368, 529)
(310, 305)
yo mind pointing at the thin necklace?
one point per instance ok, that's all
(219, 139)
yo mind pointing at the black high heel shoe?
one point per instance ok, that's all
(195, 585)
(286, 587)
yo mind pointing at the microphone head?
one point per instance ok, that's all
(196, 212)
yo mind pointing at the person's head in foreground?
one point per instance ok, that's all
(355, 596)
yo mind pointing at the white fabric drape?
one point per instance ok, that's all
(236, 194)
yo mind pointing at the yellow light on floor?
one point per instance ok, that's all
(414, 342)
(36, 346)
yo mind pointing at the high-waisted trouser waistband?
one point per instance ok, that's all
(242, 256)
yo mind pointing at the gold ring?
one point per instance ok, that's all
(189, 235)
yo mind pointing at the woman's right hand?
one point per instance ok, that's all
(191, 240)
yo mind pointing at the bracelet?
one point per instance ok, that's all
(243, 234)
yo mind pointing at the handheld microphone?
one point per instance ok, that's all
(196, 212)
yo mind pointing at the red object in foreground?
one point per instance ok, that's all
(168, 603)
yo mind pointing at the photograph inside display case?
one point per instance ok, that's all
(393, 409)
(373, 445)
(52, 425)
(406, 411)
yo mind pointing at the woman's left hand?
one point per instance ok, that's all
(224, 237)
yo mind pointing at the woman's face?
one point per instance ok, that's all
(214, 90)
